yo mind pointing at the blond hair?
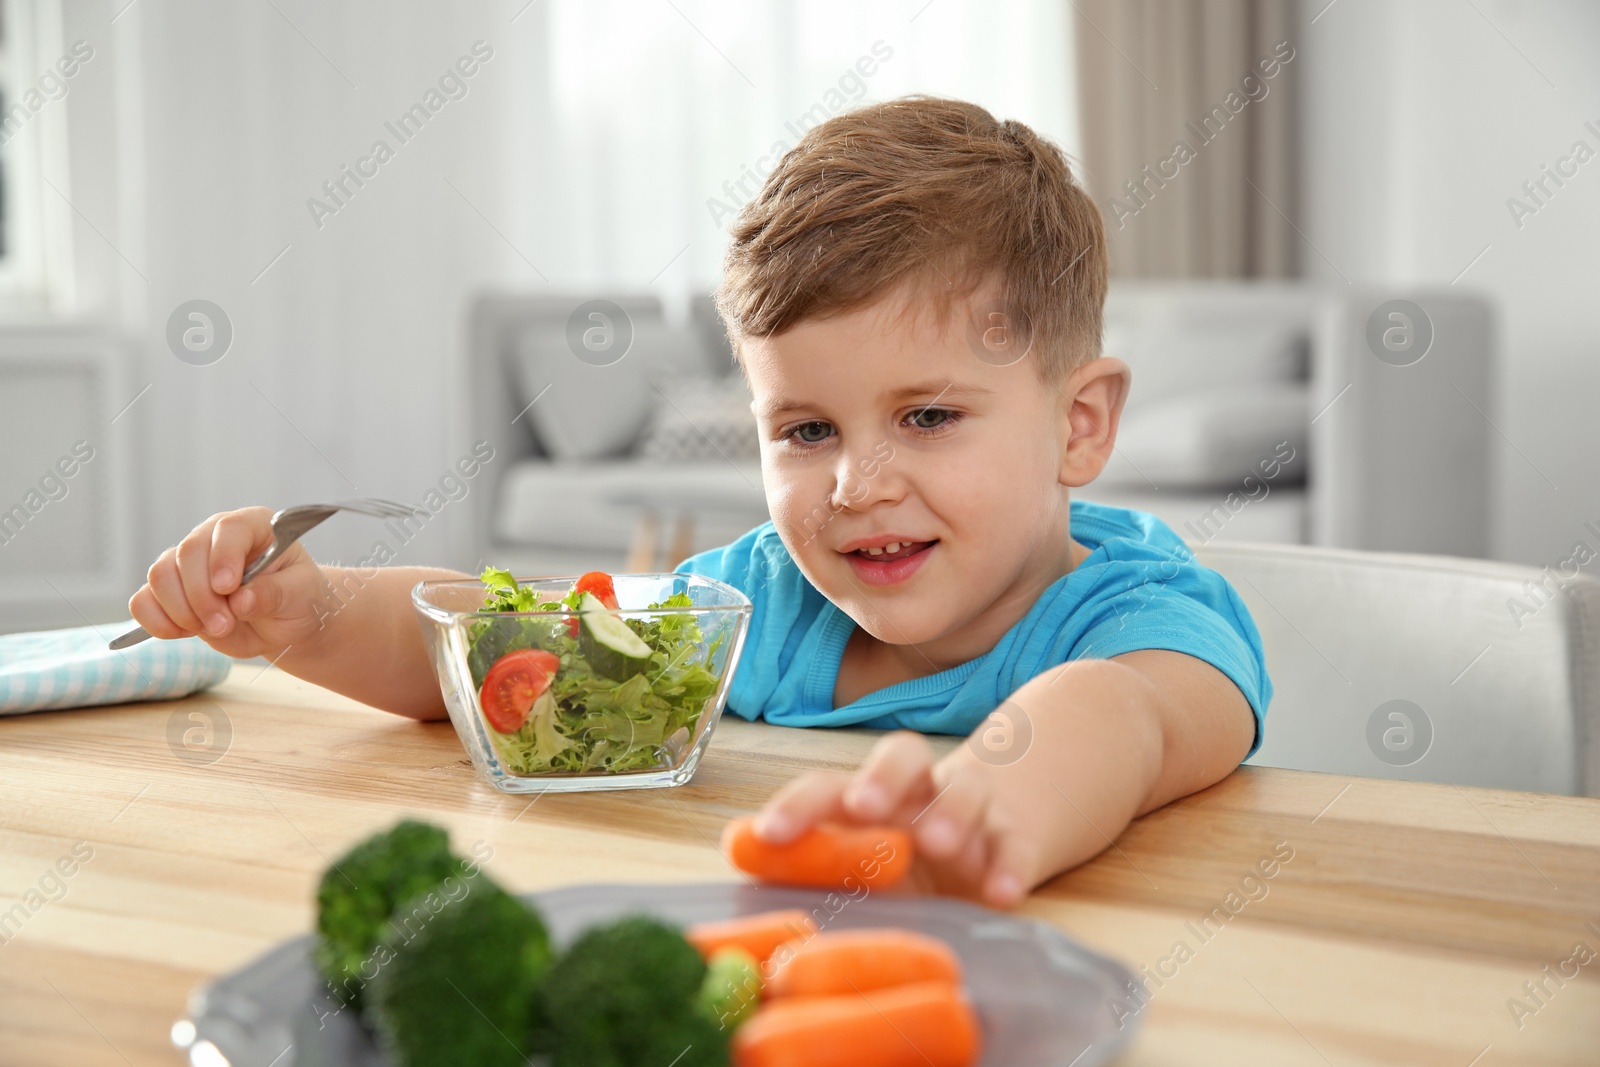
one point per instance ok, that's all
(932, 192)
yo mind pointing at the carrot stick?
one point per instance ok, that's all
(757, 934)
(929, 1024)
(855, 961)
(824, 857)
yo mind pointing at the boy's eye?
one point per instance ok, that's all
(930, 418)
(812, 433)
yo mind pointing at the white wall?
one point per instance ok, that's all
(198, 134)
(1420, 120)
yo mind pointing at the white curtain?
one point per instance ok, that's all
(1191, 134)
(665, 116)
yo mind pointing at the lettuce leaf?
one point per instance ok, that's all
(595, 723)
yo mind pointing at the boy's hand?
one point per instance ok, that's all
(966, 844)
(194, 589)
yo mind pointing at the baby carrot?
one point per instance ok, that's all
(929, 1024)
(855, 961)
(757, 934)
(824, 857)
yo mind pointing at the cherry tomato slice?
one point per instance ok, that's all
(597, 584)
(516, 680)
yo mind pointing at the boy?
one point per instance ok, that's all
(915, 299)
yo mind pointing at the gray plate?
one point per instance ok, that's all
(1043, 999)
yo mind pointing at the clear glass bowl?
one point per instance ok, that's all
(637, 732)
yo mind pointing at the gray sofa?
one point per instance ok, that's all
(1260, 412)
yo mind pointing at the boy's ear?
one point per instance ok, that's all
(1091, 408)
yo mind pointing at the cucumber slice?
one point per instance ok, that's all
(608, 643)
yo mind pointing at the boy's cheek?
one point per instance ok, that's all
(801, 509)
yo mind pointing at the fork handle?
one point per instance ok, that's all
(260, 562)
(129, 639)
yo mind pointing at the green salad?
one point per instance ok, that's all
(592, 693)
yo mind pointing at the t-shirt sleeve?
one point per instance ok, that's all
(1184, 608)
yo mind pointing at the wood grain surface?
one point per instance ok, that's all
(1405, 926)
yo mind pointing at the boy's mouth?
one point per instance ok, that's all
(888, 563)
(892, 551)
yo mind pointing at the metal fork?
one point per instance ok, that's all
(288, 526)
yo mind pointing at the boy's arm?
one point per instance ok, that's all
(1111, 740)
(370, 646)
(1107, 740)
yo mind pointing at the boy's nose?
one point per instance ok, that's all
(861, 479)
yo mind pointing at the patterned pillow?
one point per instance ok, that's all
(701, 418)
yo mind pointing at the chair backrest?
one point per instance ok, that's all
(1427, 668)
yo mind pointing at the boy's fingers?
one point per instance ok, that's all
(1011, 870)
(270, 594)
(194, 568)
(236, 538)
(953, 817)
(897, 772)
(146, 611)
(969, 866)
(801, 804)
(167, 586)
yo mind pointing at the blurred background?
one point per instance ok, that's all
(277, 251)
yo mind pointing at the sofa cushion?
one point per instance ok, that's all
(1181, 350)
(700, 418)
(594, 408)
(1214, 438)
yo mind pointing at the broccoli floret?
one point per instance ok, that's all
(625, 994)
(460, 983)
(360, 892)
(732, 988)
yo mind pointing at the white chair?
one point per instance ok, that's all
(1426, 668)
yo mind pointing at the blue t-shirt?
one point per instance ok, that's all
(1139, 588)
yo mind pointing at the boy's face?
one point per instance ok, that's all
(880, 428)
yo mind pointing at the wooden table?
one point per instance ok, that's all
(1407, 921)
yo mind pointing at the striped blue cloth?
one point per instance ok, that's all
(74, 669)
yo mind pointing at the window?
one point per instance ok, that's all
(36, 74)
(661, 120)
